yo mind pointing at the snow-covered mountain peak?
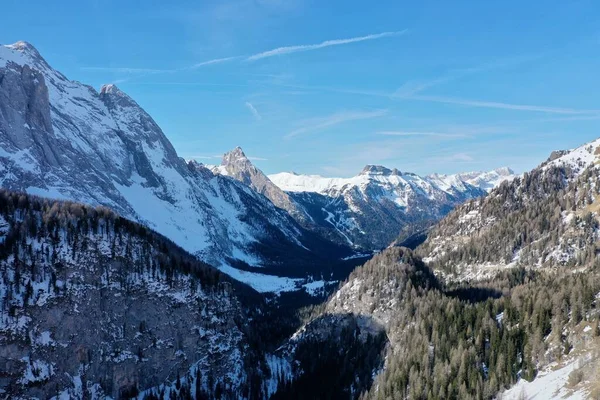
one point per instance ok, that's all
(487, 180)
(111, 88)
(22, 53)
(504, 171)
(371, 170)
(237, 157)
(23, 46)
(111, 93)
(237, 152)
(371, 208)
(26, 49)
(236, 165)
(577, 159)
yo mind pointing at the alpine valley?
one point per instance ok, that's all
(127, 271)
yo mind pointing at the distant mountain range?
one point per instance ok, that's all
(372, 209)
(367, 211)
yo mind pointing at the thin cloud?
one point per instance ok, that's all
(205, 157)
(336, 119)
(151, 71)
(124, 70)
(457, 158)
(254, 111)
(588, 114)
(257, 159)
(328, 43)
(429, 134)
(338, 90)
(505, 106)
(213, 61)
(411, 88)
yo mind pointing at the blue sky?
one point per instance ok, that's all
(327, 87)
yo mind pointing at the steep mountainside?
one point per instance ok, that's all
(547, 218)
(372, 209)
(94, 305)
(238, 166)
(62, 139)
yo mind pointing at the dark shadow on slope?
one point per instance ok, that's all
(492, 288)
(337, 355)
(306, 265)
(413, 241)
(474, 294)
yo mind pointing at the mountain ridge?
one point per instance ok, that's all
(546, 218)
(375, 207)
(63, 139)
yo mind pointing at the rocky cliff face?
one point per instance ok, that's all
(93, 305)
(62, 139)
(238, 166)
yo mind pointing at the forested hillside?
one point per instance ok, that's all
(465, 342)
(93, 305)
(546, 218)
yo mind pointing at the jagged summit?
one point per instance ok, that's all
(22, 45)
(236, 165)
(110, 88)
(379, 170)
(111, 95)
(504, 171)
(236, 156)
(371, 209)
(22, 53)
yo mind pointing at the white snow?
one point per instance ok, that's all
(579, 158)
(280, 368)
(313, 288)
(549, 384)
(261, 282)
(35, 371)
(292, 182)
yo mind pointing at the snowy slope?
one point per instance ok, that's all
(560, 197)
(375, 207)
(292, 182)
(236, 165)
(483, 180)
(62, 139)
(548, 385)
(578, 159)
